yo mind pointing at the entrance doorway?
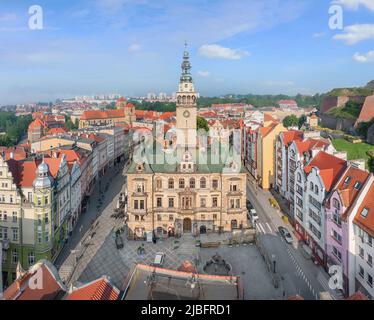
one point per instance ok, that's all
(234, 224)
(187, 225)
(202, 229)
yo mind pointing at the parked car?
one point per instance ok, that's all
(249, 205)
(253, 216)
(159, 259)
(285, 234)
(119, 242)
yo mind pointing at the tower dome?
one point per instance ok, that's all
(43, 179)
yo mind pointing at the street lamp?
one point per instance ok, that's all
(274, 262)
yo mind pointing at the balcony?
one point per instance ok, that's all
(138, 212)
(234, 210)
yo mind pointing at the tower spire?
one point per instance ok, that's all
(186, 66)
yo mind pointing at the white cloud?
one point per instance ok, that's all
(203, 73)
(364, 58)
(134, 47)
(355, 4)
(356, 33)
(215, 51)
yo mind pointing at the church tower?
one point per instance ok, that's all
(186, 106)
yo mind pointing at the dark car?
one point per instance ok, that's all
(249, 205)
(285, 234)
(119, 242)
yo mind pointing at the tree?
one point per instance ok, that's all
(371, 164)
(302, 120)
(363, 128)
(202, 124)
(290, 121)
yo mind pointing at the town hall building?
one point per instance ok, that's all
(192, 185)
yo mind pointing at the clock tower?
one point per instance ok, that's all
(186, 106)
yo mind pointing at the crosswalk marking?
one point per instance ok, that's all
(261, 228)
(269, 227)
(264, 228)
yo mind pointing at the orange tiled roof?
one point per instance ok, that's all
(347, 191)
(330, 168)
(106, 114)
(100, 289)
(56, 130)
(268, 117)
(19, 153)
(293, 135)
(367, 223)
(21, 290)
(310, 144)
(37, 123)
(167, 115)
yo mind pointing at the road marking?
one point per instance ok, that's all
(262, 228)
(269, 227)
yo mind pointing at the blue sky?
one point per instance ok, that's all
(135, 46)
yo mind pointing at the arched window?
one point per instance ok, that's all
(311, 186)
(181, 183)
(171, 183)
(298, 177)
(336, 204)
(202, 183)
(316, 190)
(192, 183)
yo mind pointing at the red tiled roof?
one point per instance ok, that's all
(50, 288)
(106, 114)
(287, 102)
(347, 191)
(367, 223)
(100, 289)
(19, 153)
(56, 130)
(293, 135)
(268, 117)
(37, 123)
(330, 168)
(167, 115)
(310, 144)
(367, 111)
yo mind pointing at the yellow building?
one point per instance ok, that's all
(266, 153)
(187, 187)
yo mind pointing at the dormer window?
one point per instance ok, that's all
(357, 185)
(347, 180)
(364, 213)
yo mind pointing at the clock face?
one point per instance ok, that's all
(186, 114)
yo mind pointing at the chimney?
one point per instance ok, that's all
(11, 155)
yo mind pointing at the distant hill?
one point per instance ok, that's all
(351, 92)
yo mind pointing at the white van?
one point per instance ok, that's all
(253, 216)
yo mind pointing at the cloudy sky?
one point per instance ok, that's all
(135, 46)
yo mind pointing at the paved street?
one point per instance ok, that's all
(299, 275)
(87, 236)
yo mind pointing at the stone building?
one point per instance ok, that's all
(189, 186)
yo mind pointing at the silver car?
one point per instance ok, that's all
(285, 234)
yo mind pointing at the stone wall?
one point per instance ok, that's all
(337, 123)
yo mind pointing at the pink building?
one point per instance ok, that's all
(339, 214)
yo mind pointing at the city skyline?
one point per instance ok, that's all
(133, 47)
